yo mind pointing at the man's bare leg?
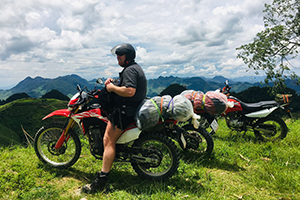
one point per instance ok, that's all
(110, 138)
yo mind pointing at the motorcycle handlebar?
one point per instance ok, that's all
(89, 95)
(93, 93)
(226, 89)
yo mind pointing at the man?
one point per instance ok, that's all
(128, 93)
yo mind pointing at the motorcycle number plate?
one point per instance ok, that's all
(214, 125)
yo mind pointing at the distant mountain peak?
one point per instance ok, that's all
(218, 77)
(28, 78)
(221, 79)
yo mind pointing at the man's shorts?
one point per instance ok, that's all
(119, 119)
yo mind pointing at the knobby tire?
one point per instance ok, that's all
(267, 137)
(172, 153)
(46, 138)
(208, 143)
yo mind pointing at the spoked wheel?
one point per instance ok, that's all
(270, 129)
(45, 140)
(158, 156)
(199, 140)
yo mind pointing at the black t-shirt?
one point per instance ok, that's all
(133, 76)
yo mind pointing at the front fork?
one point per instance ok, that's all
(180, 136)
(64, 136)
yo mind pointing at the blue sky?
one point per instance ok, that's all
(172, 37)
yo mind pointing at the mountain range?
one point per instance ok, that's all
(38, 86)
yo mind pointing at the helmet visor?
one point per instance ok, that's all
(113, 50)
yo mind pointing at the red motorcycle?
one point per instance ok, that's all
(153, 155)
(260, 117)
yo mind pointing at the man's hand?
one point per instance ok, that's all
(108, 81)
(110, 87)
(119, 90)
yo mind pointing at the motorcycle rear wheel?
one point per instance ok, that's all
(45, 140)
(167, 154)
(270, 129)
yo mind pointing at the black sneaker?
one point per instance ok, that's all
(98, 184)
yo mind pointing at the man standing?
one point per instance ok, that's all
(129, 91)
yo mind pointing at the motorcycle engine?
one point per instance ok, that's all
(96, 141)
(234, 121)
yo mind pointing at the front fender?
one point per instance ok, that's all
(61, 112)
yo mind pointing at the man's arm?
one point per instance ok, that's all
(121, 91)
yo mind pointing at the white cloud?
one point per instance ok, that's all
(70, 23)
(152, 70)
(172, 37)
(187, 70)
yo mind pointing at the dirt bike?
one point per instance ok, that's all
(153, 155)
(259, 117)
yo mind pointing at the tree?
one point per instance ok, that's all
(273, 49)
(17, 96)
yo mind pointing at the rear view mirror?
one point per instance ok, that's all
(99, 80)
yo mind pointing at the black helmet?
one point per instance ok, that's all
(122, 49)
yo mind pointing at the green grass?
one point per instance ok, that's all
(240, 168)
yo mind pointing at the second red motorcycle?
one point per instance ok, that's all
(260, 117)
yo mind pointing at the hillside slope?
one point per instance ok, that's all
(8, 137)
(27, 113)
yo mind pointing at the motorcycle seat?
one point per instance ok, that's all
(258, 106)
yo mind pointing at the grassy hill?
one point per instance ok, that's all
(26, 113)
(7, 136)
(240, 168)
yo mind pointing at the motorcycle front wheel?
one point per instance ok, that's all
(270, 129)
(200, 140)
(158, 147)
(45, 140)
